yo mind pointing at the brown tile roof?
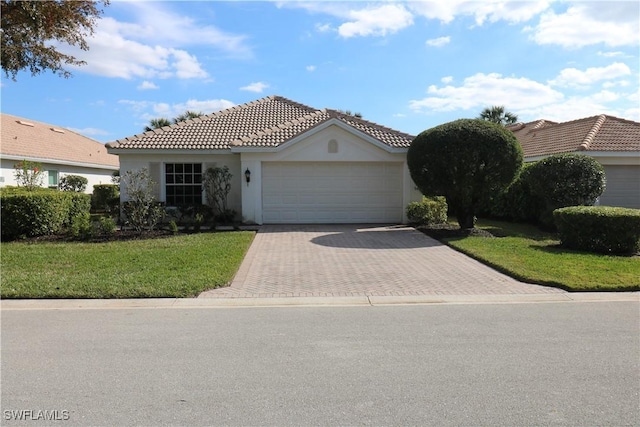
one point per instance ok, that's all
(597, 133)
(31, 139)
(266, 122)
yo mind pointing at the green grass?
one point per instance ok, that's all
(177, 266)
(530, 255)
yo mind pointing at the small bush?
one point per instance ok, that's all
(173, 227)
(74, 183)
(431, 210)
(107, 226)
(105, 197)
(566, 180)
(81, 226)
(80, 204)
(600, 229)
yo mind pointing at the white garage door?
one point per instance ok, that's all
(623, 186)
(306, 192)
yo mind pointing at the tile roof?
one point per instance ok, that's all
(597, 133)
(32, 139)
(266, 122)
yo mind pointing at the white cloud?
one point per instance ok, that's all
(487, 89)
(153, 43)
(438, 42)
(310, 68)
(589, 23)
(147, 85)
(489, 10)
(323, 28)
(376, 21)
(575, 107)
(447, 79)
(611, 54)
(257, 87)
(575, 78)
(147, 110)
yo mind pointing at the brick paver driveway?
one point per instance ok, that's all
(354, 260)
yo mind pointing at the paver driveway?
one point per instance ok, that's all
(354, 260)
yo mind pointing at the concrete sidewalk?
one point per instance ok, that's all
(158, 303)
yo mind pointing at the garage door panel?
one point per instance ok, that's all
(307, 192)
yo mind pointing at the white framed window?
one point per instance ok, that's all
(53, 178)
(183, 183)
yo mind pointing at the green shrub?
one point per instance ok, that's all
(467, 161)
(173, 227)
(33, 213)
(107, 226)
(38, 212)
(105, 197)
(81, 226)
(600, 229)
(516, 202)
(566, 180)
(75, 183)
(431, 210)
(80, 204)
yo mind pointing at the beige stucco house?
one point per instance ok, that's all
(60, 151)
(613, 142)
(304, 165)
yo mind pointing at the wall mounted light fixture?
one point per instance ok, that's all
(247, 176)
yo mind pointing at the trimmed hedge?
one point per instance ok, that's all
(517, 202)
(39, 212)
(105, 197)
(601, 229)
(565, 180)
(431, 210)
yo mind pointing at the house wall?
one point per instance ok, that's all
(155, 164)
(318, 147)
(94, 175)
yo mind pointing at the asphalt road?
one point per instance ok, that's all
(484, 364)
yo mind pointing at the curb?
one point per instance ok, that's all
(95, 304)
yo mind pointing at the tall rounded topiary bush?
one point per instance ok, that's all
(565, 180)
(466, 161)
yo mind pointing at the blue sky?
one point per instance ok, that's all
(406, 65)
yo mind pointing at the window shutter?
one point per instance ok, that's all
(154, 172)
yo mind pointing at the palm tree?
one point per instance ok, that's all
(497, 114)
(157, 124)
(162, 122)
(187, 115)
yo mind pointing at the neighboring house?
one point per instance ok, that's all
(290, 163)
(60, 151)
(613, 142)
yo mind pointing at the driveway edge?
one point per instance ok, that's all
(150, 303)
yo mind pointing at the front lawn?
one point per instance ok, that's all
(176, 266)
(530, 255)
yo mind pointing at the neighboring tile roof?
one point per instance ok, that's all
(597, 133)
(32, 139)
(266, 122)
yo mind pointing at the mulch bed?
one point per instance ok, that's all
(118, 236)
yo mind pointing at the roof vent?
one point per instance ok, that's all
(57, 130)
(22, 122)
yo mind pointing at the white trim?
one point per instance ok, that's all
(604, 157)
(59, 162)
(118, 151)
